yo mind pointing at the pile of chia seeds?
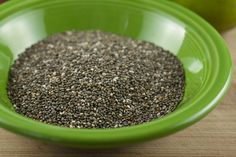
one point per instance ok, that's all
(93, 79)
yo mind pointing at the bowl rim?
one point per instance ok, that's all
(114, 137)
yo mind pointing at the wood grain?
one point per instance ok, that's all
(215, 135)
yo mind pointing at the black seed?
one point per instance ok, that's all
(93, 79)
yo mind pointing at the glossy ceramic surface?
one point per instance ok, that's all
(201, 49)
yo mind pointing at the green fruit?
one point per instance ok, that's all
(220, 13)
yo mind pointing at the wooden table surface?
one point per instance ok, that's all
(215, 135)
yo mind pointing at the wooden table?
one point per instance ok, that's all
(215, 135)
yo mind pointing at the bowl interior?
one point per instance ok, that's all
(194, 42)
(20, 30)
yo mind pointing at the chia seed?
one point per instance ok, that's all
(93, 79)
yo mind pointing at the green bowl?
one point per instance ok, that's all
(203, 52)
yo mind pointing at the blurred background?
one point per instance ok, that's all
(220, 13)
